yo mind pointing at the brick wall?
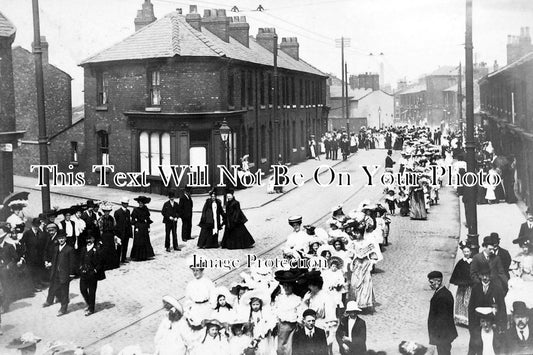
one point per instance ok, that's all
(58, 106)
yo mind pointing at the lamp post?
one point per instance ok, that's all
(225, 131)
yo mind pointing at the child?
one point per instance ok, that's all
(390, 198)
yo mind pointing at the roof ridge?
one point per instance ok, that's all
(201, 36)
(136, 33)
(175, 35)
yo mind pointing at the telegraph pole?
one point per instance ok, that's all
(344, 93)
(471, 191)
(39, 82)
(275, 101)
(347, 100)
(344, 42)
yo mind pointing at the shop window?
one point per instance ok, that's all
(103, 147)
(154, 150)
(155, 87)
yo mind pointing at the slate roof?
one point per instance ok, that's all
(420, 87)
(7, 29)
(526, 58)
(172, 36)
(445, 71)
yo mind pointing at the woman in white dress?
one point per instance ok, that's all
(169, 338)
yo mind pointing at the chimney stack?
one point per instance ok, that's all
(290, 46)
(265, 38)
(179, 11)
(239, 29)
(44, 49)
(193, 18)
(496, 66)
(145, 16)
(216, 22)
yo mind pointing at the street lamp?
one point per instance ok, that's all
(225, 131)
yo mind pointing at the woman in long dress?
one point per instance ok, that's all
(140, 218)
(461, 278)
(361, 285)
(417, 204)
(211, 222)
(236, 235)
(107, 226)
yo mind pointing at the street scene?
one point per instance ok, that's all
(275, 178)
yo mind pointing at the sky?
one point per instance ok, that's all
(415, 36)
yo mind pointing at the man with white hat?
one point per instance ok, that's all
(351, 333)
(123, 227)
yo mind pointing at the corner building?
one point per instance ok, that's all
(160, 96)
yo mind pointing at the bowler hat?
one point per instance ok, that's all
(495, 236)
(488, 240)
(520, 309)
(143, 199)
(309, 312)
(90, 204)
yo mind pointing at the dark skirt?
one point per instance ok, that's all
(500, 194)
(142, 248)
(109, 251)
(237, 238)
(207, 239)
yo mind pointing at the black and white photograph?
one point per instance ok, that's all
(249, 177)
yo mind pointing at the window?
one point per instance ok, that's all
(154, 150)
(263, 141)
(302, 133)
(293, 92)
(250, 88)
(231, 88)
(301, 87)
(155, 88)
(102, 85)
(270, 89)
(262, 88)
(294, 134)
(103, 147)
(73, 152)
(243, 89)
(251, 144)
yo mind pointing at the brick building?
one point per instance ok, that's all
(507, 112)
(518, 46)
(58, 112)
(160, 96)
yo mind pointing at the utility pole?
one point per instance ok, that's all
(343, 42)
(277, 142)
(39, 82)
(347, 100)
(460, 102)
(470, 191)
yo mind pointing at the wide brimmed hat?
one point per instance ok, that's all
(336, 208)
(520, 309)
(464, 244)
(315, 240)
(261, 295)
(311, 277)
(125, 200)
(323, 248)
(18, 204)
(106, 207)
(286, 275)
(351, 306)
(190, 261)
(236, 288)
(90, 204)
(213, 322)
(143, 199)
(310, 229)
(172, 301)
(522, 241)
(295, 219)
(485, 312)
(338, 260)
(24, 341)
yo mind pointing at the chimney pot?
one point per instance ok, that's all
(239, 29)
(265, 37)
(193, 9)
(145, 16)
(217, 22)
(193, 18)
(290, 46)
(179, 10)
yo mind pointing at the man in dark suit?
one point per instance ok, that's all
(334, 146)
(526, 229)
(34, 252)
(123, 226)
(69, 227)
(487, 258)
(61, 264)
(351, 333)
(441, 326)
(91, 271)
(90, 218)
(520, 335)
(50, 244)
(170, 214)
(185, 212)
(484, 294)
(502, 253)
(309, 340)
(389, 163)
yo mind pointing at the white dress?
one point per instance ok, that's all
(168, 339)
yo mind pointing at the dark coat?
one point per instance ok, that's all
(389, 162)
(234, 214)
(461, 274)
(441, 326)
(50, 244)
(34, 247)
(123, 223)
(63, 264)
(185, 205)
(64, 226)
(506, 259)
(207, 219)
(302, 345)
(358, 344)
(91, 265)
(170, 211)
(515, 345)
(497, 273)
(526, 232)
(494, 296)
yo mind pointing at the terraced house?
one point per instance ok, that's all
(161, 95)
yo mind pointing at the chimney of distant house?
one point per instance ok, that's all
(179, 11)
(518, 46)
(44, 49)
(193, 18)
(495, 66)
(216, 22)
(145, 16)
(265, 38)
(290, 46)
(239, 29)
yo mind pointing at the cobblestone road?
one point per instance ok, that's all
(129, 300)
